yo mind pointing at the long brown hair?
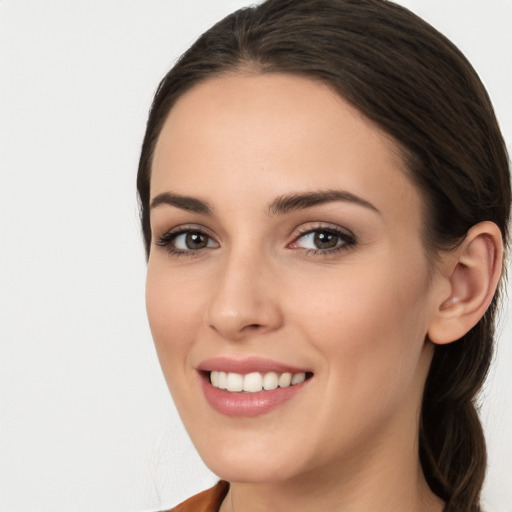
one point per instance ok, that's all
(418, 87)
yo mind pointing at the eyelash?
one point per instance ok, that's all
(346, 238)
(166, 240)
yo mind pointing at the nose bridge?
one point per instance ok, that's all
(244, 299)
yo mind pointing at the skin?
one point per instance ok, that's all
(357, 318)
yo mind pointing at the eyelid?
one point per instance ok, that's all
(346, 236)
(167, 237)
(311, 227)
(183, 228)
(347, 239)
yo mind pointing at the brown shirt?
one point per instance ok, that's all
(206, 501)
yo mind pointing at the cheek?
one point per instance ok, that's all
(369, 333)
(173, 311)
(172, 304)
(368, 325)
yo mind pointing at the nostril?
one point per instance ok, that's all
(253, 327)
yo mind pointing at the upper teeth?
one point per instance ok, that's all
(254, 382)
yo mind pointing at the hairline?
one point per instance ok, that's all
(246, 66)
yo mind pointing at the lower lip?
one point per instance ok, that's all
(248, 404)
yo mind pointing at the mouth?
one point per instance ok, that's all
(254, 382)
(252, 386)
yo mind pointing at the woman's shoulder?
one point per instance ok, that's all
(206, 501)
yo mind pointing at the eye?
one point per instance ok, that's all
(192, 240)
(186, 241)
(324, 240)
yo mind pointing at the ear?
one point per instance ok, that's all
(472, 272)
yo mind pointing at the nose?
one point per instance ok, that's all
(245, 301)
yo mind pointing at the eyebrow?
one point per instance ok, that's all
(280, 206)
(293, 202)
(190, 204)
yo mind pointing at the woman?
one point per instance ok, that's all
(325, 198)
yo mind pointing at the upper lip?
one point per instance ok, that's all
(247, 365)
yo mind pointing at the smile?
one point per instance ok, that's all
(254, 382)
(251, 386)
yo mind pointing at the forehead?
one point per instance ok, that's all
(272, 134)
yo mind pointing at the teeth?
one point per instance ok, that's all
(285, 380)
(222, 380)
(235, 382)
(254, 382)
(270, 381)
(298, 378)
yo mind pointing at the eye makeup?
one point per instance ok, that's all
(313, 240)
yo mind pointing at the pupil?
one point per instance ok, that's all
(195, 241)
(325, 240)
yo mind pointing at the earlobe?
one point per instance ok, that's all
(473, 273)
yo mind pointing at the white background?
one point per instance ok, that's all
(86, 420)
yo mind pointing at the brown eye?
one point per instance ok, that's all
(191, 241)
(325, 239)
(194, 241)
(186, 241)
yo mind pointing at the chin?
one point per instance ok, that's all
(251, 473)
(244, 463)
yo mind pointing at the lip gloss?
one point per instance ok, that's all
(248, 404)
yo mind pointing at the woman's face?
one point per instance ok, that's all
(287, 240)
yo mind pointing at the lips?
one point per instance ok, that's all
(251, 386)
(247, 365)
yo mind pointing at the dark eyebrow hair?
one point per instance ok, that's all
(281, 205)
(190, 204)
(300, 201)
